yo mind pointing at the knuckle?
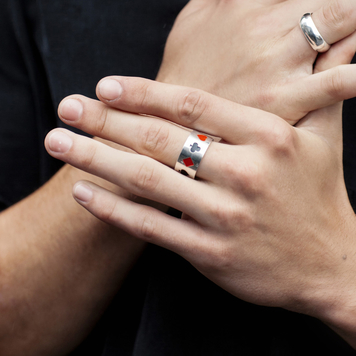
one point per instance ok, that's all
(281, 138)
(231, 172)
(334, 14)
(154, 139)
(139, 91)
(224, 258)
(249, 178)
(191, 107)
(89, 158)
(217, 257)
(245, 221)
(227, 214)
(147, 227)
(221, 214)
(266, 98)
(100, 124)
(146, 179)
(143, 90)
(333, 83)
(107, 211)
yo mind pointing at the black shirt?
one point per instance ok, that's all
(50, 49)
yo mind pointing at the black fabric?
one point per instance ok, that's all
(186, 314)
(50, 49)
(349, 131)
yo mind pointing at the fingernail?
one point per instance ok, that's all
(110, 89)
(83, 192)
(60, 142)
(71, 109)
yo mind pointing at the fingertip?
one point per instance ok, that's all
(70, 109)
(58, 141)
(109, 89)
(82, 193)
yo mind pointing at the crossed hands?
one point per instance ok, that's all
(268, 218)
(254, 53)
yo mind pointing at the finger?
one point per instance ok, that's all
(188, 107)
(139, 175)
(148, 136)
(313, 93)
(336, 20)
(294, 40)
(138, 220)
(270, 2)
(340, 53)
(327, 122)
(322, 89)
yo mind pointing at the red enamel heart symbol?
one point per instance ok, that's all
(202, 137)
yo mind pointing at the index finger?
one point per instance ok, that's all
(192, 108)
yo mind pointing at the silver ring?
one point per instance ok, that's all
(192, 153)
(311, 33)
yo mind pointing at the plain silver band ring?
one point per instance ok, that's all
(192, 153)
(311, 33)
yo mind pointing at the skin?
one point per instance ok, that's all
(269, 207)
(259, 57)
(67, 264)
(274, 222)
(86, 245)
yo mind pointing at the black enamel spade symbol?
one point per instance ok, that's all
(195, 148)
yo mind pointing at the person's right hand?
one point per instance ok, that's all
(254, 53)
(269, 218)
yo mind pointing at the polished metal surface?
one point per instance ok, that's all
(192, 153)
(312, 34)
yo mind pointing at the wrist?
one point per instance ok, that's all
(334, 299)
(340, 316)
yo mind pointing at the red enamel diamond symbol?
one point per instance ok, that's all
(188, 162)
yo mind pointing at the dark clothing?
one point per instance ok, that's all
(50, 49)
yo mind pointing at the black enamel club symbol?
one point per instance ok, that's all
(195, 148)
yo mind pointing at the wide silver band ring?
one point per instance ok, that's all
(192, 153)
(311, 33)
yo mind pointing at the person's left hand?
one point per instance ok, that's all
(254, 53)
(268, 219)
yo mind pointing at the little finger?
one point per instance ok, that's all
(340, 53)
(322, 89)
(181, 236)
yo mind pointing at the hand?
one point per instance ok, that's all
(254, 53)
(269, 218)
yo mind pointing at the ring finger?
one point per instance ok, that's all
(335, 21)
(140, 175)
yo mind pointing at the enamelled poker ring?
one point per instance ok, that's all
(312, 34)
(192, 153)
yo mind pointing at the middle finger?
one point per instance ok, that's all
(149, 136)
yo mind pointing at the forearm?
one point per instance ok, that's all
(60, 267)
